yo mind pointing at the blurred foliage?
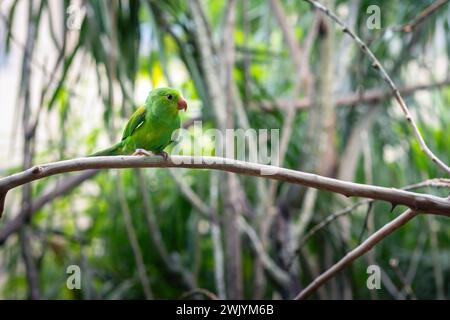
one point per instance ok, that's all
(132, 41)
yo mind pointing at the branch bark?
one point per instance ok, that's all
(418, 202)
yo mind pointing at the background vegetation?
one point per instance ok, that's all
(160, 233)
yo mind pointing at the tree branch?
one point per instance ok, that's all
(370, 242)
(428, 11)
(396, 93)
(369, 96)
(418, 202)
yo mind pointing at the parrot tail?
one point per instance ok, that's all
(111, 151)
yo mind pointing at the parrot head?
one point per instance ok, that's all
(167, 99)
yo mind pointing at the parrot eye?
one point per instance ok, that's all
(169, 96)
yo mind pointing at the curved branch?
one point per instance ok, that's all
(396, 93)
(418, 202)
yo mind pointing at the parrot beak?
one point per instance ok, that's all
(182, 104)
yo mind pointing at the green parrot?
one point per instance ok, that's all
(151, 126)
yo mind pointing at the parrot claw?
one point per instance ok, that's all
(141, 152)
(163, 154)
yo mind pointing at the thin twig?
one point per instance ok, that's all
(396, 93)
(368, 244)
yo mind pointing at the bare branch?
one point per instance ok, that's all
(418, 202)
(368, 244)
(379, 67)
(427, 12)
(369, 96)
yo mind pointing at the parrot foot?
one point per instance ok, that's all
(141, 152)
(163, 154)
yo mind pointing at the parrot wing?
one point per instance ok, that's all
(136, 120)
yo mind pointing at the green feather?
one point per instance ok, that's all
(111, 151)
(151, 126)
